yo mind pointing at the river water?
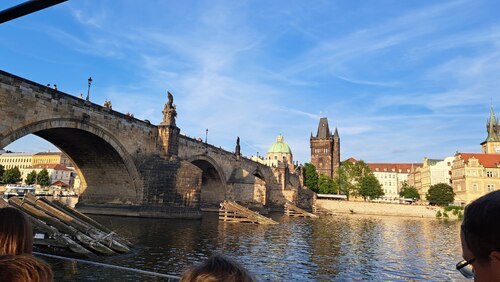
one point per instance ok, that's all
(337, 247)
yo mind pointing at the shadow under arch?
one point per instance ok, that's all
(107, 171)
(213, 181)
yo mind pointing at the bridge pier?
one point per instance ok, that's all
(133, 168)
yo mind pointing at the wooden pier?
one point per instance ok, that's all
(293, 210)
(232, 212)
(57, 226)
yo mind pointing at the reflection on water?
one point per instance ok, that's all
(330, 248)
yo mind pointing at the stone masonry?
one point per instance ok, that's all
(130, 167)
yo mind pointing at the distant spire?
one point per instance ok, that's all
(336, 134)
(492, 126)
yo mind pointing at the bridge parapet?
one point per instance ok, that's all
(123, 163)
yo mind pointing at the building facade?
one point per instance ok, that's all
(391, 177)
(51, 158)
(325, 149)
(21, 160)
(474, 174)
(58, 173)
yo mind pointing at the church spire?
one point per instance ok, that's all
(492, 127)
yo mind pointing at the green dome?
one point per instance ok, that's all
(279, 146)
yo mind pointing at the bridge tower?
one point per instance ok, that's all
(168, 132)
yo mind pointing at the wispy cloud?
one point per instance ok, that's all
(397, 83)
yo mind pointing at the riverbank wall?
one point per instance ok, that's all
(387, 209)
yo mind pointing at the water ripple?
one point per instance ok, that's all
(331, 248)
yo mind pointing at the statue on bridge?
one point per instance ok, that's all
(169, 112)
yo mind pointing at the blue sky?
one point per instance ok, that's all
(400, 79)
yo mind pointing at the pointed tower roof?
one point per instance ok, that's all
(491, 127)
(323, 129)
(336, 134)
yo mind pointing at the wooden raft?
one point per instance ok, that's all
(233, 212)
(293, 210)
(59, 226)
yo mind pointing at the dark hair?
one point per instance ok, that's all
(217, 269)
(24, 268)
(481, 228)
(16, 235)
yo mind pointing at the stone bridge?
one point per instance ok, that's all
(131, 167)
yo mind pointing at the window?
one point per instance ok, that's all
(489, 174)
(490, 187)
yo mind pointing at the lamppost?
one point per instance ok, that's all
(88, 91)
(206, 136)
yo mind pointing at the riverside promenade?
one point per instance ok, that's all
(370, 208)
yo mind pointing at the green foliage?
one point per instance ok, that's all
(341, 182)
(326, 185)
(11, 176)
(370, 188)
(351, 174)
(438, 214)
(409, 192)
(440, 194)
(2, 170)
(310, 177)
(445, 214)
(460, 215)
(453, 208)
(43, 178)
(30, 178)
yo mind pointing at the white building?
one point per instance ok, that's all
(58, 174)
(391, 177)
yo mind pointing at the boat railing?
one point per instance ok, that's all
(145, 272)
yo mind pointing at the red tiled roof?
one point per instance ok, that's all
(59, 183)
(487, 160)
(404, 167)
(351, 159)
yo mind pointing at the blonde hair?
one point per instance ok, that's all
(16, 234)
(24, 268)
(217, 269)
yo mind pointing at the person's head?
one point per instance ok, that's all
(24, 268)
(217, 269)
(16, 235)
(480, 235)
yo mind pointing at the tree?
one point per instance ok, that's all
(409, 192)
(30, 178)
(326, 185)
(354, 173)
(11, 175)
(43, 178)
(341, 182)
(310, 177)
(370, 187)
(440, 194)
(2, 170)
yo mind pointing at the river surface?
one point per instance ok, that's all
(331, 248)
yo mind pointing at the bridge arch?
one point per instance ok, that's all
(214, 180)
(108, 172)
